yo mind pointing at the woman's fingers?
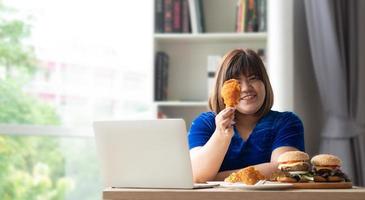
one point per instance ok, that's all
(227, 122)
(225, 116)
(227, 112)
(232, 118)
(224, 120)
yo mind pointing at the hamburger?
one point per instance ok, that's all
(293, 167)
(326, 168)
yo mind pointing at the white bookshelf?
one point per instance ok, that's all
(188, 53)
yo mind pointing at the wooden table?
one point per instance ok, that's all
(234, 194)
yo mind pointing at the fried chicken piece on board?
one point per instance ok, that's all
(231, 92)
(248, 176)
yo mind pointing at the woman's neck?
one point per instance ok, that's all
(246, 121)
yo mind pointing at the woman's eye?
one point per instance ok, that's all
(252, 78)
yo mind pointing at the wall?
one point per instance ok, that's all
(290, 68)
(280, 53)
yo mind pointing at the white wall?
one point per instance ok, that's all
(290, 68)
(280, 52)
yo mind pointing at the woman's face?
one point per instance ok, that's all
(252, 94)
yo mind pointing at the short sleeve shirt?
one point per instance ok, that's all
(275, 129)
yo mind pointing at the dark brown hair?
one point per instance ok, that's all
(235, 63)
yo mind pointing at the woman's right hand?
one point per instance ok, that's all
(223, 121)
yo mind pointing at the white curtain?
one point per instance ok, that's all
(337, 40)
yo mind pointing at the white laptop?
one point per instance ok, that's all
(145, 154)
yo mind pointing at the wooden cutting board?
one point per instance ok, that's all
(317, 185)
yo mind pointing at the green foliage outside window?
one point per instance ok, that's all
(30, 167)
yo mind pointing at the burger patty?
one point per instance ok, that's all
(327, 172)
(286, 177)
(300, 167)
(329, 175)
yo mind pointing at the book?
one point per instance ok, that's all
(185, 16)
(200, 16)
(161, 76)
(196, 16)
(193, 16)
(251, 16)
(243, 15)
(158, 77)
(159, 16)
(240, 16)
(165, 69)
(168, 16)
(176, 16)
(261, 14)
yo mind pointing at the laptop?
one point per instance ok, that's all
(145, 154)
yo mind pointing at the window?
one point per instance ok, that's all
(64, 64)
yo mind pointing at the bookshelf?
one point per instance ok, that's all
(210, 37)
(188, 91)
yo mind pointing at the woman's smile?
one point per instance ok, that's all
(249, 97)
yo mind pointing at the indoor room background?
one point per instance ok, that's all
(65, 64)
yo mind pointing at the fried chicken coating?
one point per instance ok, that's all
(231, 92)
(248, 176)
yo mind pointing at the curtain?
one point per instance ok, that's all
(337, 44)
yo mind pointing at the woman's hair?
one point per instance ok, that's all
(234, 64)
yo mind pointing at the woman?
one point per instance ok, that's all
(226, 140)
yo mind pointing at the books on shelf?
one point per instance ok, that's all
(161, 76)
(172, 16)
(179, 16)
(251, 16)
(187, 16)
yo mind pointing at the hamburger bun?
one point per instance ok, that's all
(326, 160)
(293, 156)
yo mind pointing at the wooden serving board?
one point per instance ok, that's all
(318, 185)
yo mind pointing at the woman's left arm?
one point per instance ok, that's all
(290, 137)
(265, 168)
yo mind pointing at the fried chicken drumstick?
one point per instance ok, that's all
(231, 92)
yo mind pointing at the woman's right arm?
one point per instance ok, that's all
(206, 160)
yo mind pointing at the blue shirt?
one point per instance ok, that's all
(275, 129)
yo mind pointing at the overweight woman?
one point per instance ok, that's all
(226, 140)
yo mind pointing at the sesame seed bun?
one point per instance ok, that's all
(326, 159)
(293, 156)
